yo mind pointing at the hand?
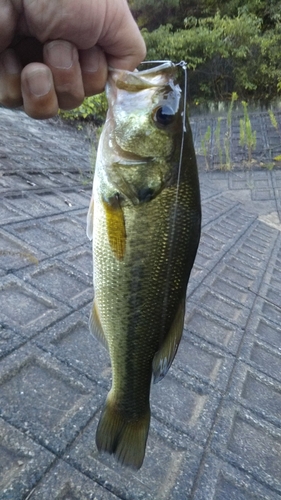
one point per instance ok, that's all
(53, 53)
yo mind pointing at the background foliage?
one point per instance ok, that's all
(229, 46)
(232, 46)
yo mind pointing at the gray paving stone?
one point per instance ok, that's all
(78, 197)
(220, 240)
(224, 286)
(64, 482)
(254, 445)
(220, 481)
(8, 213)
(261, 355)
(241, 180)
(25, 309)
(59, 281)
(52, 178)
(41, 236)
(56, 201)
(235, 276)
(70, 341)
(183, 403)
(203, 361)
(269, 310)
(9, 340)
(212, 328)
(221, 305)
(81, 215)
(64, 200)
(44, 398)
(15, 181)
(81, 259)
(29, 203)
(15, 254)
(22, 463)
(69, 226)
(266, 330)
(258, 392)
(216, 416)
(167, 473)
(263, 194)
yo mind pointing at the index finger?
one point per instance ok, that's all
(8, 21)
(122, 41)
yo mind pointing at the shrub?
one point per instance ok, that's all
(93, 108)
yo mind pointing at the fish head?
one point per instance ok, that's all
(145, 111)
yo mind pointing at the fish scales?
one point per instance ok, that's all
(146, 228)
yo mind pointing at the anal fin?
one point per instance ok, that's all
(95, 326)
(165, 355)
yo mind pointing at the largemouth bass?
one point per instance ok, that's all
(144, 219)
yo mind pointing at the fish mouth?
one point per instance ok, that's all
(155, 76)
(129, 158)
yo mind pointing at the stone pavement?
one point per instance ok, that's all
(216, 417)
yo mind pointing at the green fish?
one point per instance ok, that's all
(144, 219)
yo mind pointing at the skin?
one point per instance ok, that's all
(53, 53)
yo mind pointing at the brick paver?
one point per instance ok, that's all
(216, 417)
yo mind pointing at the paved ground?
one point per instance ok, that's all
(216, 426)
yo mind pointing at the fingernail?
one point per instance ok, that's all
(39, 82)
(60, 54)
(90, 60)
(10, 63)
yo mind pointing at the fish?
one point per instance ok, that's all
(144, 219)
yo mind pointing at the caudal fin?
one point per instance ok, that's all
(126, 439)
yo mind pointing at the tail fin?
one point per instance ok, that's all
(126, 439)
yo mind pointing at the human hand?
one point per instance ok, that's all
(53, 53)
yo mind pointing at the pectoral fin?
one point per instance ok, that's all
(90, 220)
(115, 223)
(165, 356)
(95, 326)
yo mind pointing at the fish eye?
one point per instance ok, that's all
(164, 115)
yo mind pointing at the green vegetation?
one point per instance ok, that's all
(93, 108)
(206, 147)
(248, 138)
(229, 46)
(218, 141)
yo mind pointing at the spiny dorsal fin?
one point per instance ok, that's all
(165, 356)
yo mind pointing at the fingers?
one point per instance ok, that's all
(10, 83)
(8, 21)
(38, 91)
(121, 39)
(62, 80)
(63, 60)
(93, 65)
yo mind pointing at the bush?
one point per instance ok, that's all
(92, 109)
(223, 54)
